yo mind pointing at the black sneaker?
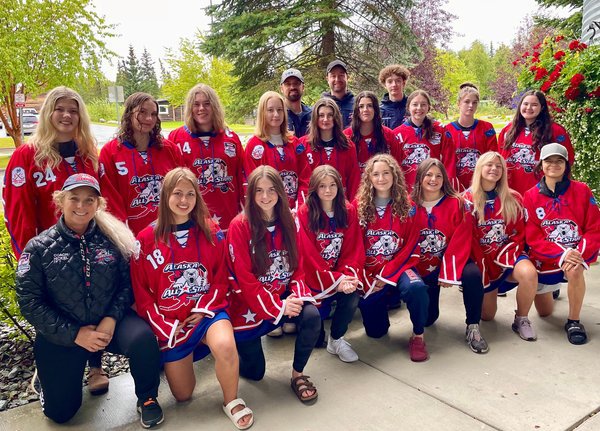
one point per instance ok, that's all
(151, 413)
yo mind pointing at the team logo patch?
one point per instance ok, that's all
(214, 172)
(331, 246)
(432, 241)
(436, 138)
(382, 243)
(279, 270)
(18, 176)
(564, 232)
(148, 190)
(494, 232)
(290, 183)
(23, 265)
(230, 149)
(258, 151)
(466, 159)
(522, 155)
(416, 153)
(189, 281)
(104, 257)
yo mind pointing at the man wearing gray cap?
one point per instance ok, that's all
(337, 78)
(292, 88)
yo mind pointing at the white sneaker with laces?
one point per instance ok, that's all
(341, 348)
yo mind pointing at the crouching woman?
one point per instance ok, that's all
(73, 286)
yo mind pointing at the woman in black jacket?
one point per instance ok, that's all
(73, 286)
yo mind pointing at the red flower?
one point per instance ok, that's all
(546, 86)
(536, 54)
(573, 45)
(525, 55)
(558, 38)
(572, 93)
(538, 46)
(515, 62)
(535, 60)
(540, 73)
(582, 46)
(595, 93)
(554, 76)
(577, 79)
(533, 68)
(560, 65)
(589, 110)
(559, 54)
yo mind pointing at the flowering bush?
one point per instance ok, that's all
(569, 73)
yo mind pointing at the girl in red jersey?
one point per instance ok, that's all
(213, 152)
(273, 145)
(563, 234)
(333, 255)
(499, 241)
(386, 216)
(471, 137)
(180, 286)
(367, 133)
(62, 145)
(446, 232)
(268, 282)
(326, 144)
(522, 139)
(132, 165)
(421, 137)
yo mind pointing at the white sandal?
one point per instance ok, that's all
(235, 417)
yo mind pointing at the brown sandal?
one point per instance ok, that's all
(301, 384)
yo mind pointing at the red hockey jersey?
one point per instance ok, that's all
(345, 161)
(363, 149)
(468, 146)
(219, 166)
(521, 158)
(554, 225)
(254, 299)
(331, 254)
(171, 281)
(496, 245)
(27, 194)
(291, 165)
(390, 248)
(444, 239)
(131, 183)
(413, 148)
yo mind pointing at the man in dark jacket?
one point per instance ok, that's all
(292, 88)
(393, 105)
(337, 78)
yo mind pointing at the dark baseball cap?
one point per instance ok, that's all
(336, 63)
(81, 180)
(295, 73)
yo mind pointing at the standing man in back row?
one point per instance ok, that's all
(337, 78)
(393, 105)
(292, 88)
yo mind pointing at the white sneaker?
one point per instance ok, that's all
(289, 328)
(341, 348)
(277, 332)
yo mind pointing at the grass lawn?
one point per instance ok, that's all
(4, 161)
(240, 129)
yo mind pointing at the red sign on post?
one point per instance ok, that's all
(19, 100)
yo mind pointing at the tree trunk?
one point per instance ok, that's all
(328, 41)
(9, 112)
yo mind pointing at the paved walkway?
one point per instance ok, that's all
(518, 385)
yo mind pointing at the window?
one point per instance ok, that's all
(163, 109)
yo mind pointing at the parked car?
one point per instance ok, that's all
(30, 123)
(30, 111)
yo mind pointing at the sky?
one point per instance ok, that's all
(144, 25)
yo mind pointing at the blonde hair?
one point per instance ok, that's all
(467, 88)
(366, 192)
(45, 136)
(510, 207)
(261, 129)
(218, 113)
(114, 229)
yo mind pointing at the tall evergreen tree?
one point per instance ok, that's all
(571, 25)
(133, 77)
(148, 81)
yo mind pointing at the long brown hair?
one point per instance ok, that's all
(427, 122)
(380, 143)
(447, 189)
(316, 220)
(199, 214)
(541, 128)
(125, 133)
(366, 192)
(314, 134)
(258, 223)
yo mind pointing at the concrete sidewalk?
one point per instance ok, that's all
(544, 385)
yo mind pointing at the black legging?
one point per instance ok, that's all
(61, 368)
(252, 357)
(472, 294)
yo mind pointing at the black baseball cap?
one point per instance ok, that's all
(337, 63)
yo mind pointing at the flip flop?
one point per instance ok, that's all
(576, 333)
(235, 417)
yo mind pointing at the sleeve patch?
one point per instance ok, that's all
(18, 176)
(560, 138)
(593, 200)
(412, 211)
(23, 266)
(229, 149)
(490, 133)
(257, 152)
(299, 149)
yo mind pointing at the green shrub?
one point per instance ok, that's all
(102, 109)
(8, 296)
(569, 73)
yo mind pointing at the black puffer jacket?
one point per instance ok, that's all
(55, 294)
